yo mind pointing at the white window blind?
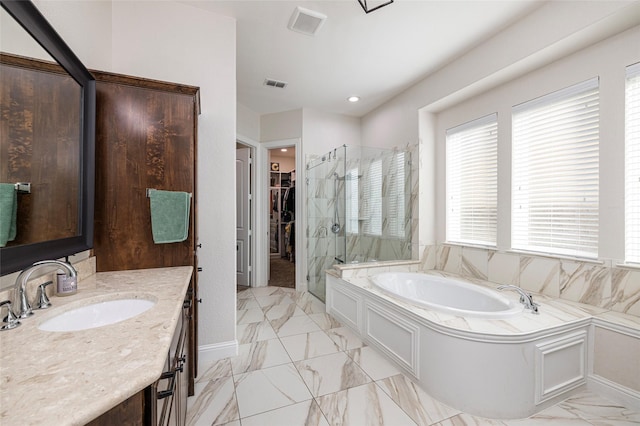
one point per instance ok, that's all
(632, 166)
(472, 181)
(372, 199)
(351, 188)
(396, 209)
(555, 172)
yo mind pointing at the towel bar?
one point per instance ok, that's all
(23, 187)
(149, 189)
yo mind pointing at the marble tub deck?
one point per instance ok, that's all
(298, 366)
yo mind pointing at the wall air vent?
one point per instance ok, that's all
(275, 83)
(306, 21)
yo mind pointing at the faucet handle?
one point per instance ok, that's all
(42, 301)
(11, 321)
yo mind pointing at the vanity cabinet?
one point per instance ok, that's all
(163, 403)
(146, 138)
(168, 396)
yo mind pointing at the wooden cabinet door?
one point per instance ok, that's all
(145, 138)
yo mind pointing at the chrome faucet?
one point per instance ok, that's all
(23, 308)
(525, 298)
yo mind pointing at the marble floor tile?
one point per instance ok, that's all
(311, 305)
(305, 413)
(274, 299)
(590, 406)
(285, 311)
(248, 303)
(247, 316)
(245, 294)
(263, 291)
(309, 345)
(552, 415)
(291, 292)
(214, 403)
(214, 370)
(294, 325)
(345, 338)
(331, 373)
(257, 355)
(362, 405)
(325, 321)
(469, 420)
(270, 388)
(422, 408)
(374, 364)
(255, 332)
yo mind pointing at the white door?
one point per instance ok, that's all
(243, 206)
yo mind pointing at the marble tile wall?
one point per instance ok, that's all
(592, 283)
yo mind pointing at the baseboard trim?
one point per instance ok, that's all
(626, 396)
(210, 353)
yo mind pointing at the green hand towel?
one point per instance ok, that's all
(8, 212)
(169, 215)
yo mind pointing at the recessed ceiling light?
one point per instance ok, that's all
(283, 149)
(353, 98)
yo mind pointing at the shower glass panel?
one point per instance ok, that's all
(326, 242)
(358, 208)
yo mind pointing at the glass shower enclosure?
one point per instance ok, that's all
(358, 209)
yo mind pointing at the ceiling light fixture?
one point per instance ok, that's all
(353, 98)
(371, 5)
(283, 149)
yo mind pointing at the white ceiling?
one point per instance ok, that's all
(375, 56)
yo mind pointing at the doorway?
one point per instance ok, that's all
(282, 216)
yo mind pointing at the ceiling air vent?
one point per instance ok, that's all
(275, 83)
(306, 21)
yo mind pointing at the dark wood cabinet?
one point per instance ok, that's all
(163, 403)
(170, 391)
(128, 413)
(146, 138)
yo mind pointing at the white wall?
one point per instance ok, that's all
(84, 26)
(281, 125)
(548, 33)
(322, 131)
(607, 60)
(248, 122)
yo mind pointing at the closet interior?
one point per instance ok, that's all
(282, 215)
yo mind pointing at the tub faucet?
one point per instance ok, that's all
(525, 298)
(23, 308)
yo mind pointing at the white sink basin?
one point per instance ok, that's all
(97, 315)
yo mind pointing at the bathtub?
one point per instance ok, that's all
(466, 344)
(447, 295)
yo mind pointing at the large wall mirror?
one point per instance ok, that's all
(47, 133)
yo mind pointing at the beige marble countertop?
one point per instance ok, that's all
(70, 378)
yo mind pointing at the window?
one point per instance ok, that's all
(632, 165)
(472, 181)
(396, 210)
(555, 172)
(372, 199)
(351, 188)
